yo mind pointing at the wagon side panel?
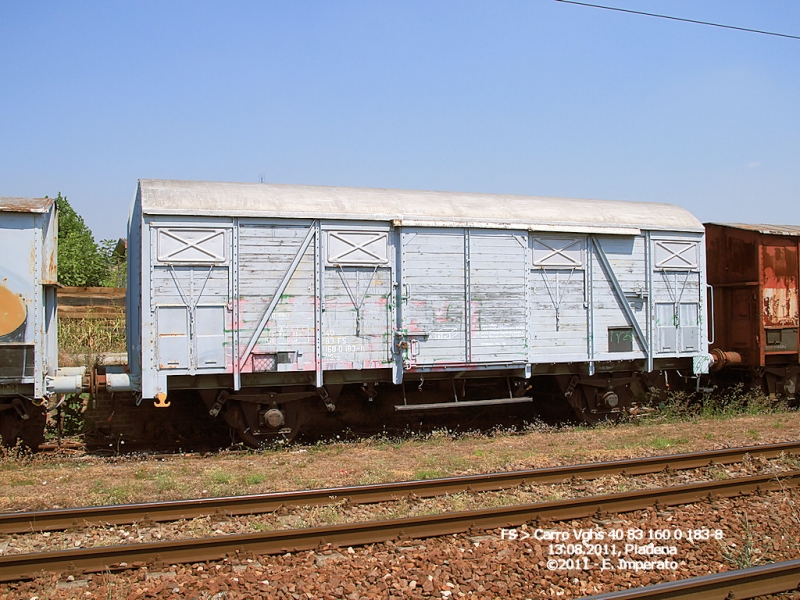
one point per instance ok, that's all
(187, 285)
(497, 296)
(678, 295)
(276, 296)
(619, 297)
(434, 295)
(558, 316)
(357, 306)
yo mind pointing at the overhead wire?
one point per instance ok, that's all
(659, 16)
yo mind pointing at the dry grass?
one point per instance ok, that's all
(47, 481)
(86, 338)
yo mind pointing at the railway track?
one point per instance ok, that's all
(743, 583)
(110, 558)
(59, 519)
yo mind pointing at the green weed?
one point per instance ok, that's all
(745, 554)
(143, 474)
(662, 443)
(254, 479)
(716, 403)
(429, 474)
(22, 481)
(111, 494)
(220, 477)
(164, 482)
(718, 473)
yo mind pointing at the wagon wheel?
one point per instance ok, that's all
(244, 417)
(583, 407)
(32, 434)
(29, 432)
(10, 426)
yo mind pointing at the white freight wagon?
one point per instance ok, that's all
(270, 299)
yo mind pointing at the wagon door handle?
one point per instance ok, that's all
(406, 292)
(414, 347)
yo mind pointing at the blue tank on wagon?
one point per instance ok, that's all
(271, 299)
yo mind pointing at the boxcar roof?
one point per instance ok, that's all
(26, 205)
(793, 230)
(406, 207)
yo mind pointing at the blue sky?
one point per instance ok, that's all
(529, 97)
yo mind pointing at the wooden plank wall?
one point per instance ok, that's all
(91, 303)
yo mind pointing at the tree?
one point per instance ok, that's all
(80, 261)
(114, 253)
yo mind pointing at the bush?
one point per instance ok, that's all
(719, 402)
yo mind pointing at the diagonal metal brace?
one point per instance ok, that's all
(278, 293)
(620, 294)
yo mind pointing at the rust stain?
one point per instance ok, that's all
(780, 307)
(51, 270)
(32, 205)
(780, 286)
(787, 230)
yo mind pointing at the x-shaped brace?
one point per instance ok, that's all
(558, 252)
(355, 246)
(196, 244)
(676, 254)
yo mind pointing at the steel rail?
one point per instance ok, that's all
(744, 583)
(123, 514)
(24, 566)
